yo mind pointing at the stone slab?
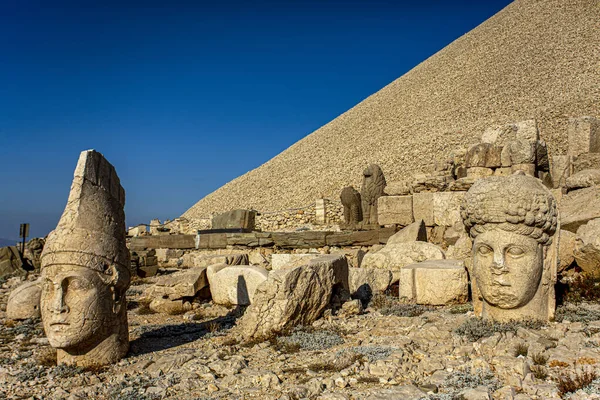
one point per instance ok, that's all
(423, 207)
(234, 284)
(578, 207)
(395, 210)
(435, 282)
(279, 261)
(584, 136)
(179, 284)
(235, 219)
(163, 242)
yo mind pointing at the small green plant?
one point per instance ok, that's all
(521, 350)
(569, 384)
(539, 359)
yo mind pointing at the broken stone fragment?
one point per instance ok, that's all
(365, 282)
(279, 261)
(411, 233)
(395, 256)
(24, 301)
(435, 282)
(583, 179)
(234, 284)
(179, 284)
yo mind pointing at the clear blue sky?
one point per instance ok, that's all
(182, 97)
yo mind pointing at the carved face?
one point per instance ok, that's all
(76, 304)
(508, 267)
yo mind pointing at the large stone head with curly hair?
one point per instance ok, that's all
(513, 221)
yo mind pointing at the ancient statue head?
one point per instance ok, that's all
(513, 222)
(85, 269)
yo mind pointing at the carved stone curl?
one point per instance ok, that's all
(85, 269)
(372, 189)
(352, 206)
(514, 223)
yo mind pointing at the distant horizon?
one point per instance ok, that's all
(182, 99)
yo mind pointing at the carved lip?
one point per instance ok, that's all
(497, 282)
(59, 323)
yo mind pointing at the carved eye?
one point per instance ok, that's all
(78, 284)
(484, 250)
(515, 251)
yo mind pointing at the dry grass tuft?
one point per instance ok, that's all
(570, 384)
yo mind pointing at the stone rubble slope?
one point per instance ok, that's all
(534, 59)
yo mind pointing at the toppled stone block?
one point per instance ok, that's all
(583, 179)
(587, 247)
(423, 207)
(291, 297)
(560, 170)
(24, 301)
(234, 284)
(195, 259)
(364, 282)
(518, 152)
(436, 182)
(578, 207)
(235, 219)
(436, 282)
(394, 257)
(414, 232)
(566, 249)
(584, 136)
(585, 161)
(446, 208)
(395, 210)
(137, 230)
(279, 261)
(179, 284)
(463, 184)
(477, 155)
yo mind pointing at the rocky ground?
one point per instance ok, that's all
(391, 351)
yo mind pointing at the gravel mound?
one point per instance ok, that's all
(534, 59)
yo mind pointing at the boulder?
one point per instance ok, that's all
(395, 256)
(583, 179)
(364, 282)
(296, 296)
(279, 261)
(587, 247)
(411, 233)
(566, 249)
(435, 282)
(179, 284)
(24, 301)
(234, 284)
(578, 207)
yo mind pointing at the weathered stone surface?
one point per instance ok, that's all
(477, 155)
(435, 182)
(234, 284)
(587, 247)
(479, 172)
(583, 179)
(163, 242)
(24, 301)
(351, 201)
(86, 269)
(578, 207)
(194, 259)
(435, 282)
(395, 210)
(352, 307)
(170, 307)
(560, 170)
(360, 238)
(527, 168)
(11, 261)
(494, 159)
(243, 220)
(137, 230)
(566, 249)
(414, 232)
(519, 152)
(423, 208)
(462, 184)
(398, 188)
(321, 211)
(585, 161)
(513, 221)
(294, 297)
(446, 208)
(364, 282)
(503, 171)
(300, 240)
(584, 136)
(33, 252)
(254, 239)
(179, 284)
(279, 261)
(395, 256)
(372, 189)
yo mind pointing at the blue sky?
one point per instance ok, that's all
(182, 97)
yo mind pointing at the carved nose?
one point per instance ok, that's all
(498, 263)
(59, 305)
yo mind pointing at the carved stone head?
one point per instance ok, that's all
(514, 223)
(85, 269)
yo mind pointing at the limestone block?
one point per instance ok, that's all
(147, 271)
(446, 208)
(423, 208)
(24, 301)
(560, 170)
(291, 297)
(414, 232)
(578, 207)
(503, 171)
(587, 247)
(279, 261)
(479, 172)
(566, 249)
(395, 256)
(494, 159)
(179, 284)
(137, 230)
(395, 210)
(235, 284)
(364, 282)
(529, 169)
(584, 136)
(520, 152)
(436, 282)
(235, 219)
(462, 184)
(199, 259)
(320, 211)
(499, 134)
(527, 130)
(398, 188)
(585, 161)
(477, 155)
(583, 179)
(154, 225)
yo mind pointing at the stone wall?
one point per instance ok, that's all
(290, 220)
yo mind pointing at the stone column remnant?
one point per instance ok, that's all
(373, 187)
(86, 269)
(514, 223)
